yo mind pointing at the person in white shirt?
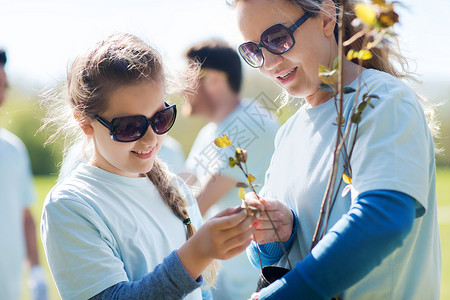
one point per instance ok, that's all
(17, 227)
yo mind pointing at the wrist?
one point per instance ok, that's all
(193, 258)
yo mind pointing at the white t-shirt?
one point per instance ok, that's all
(251, 125)
(16, 193)
(394, 151)
(100, 228)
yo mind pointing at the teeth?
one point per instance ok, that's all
(142, 152)
(287, 74)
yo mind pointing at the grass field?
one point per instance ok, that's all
(44, 184)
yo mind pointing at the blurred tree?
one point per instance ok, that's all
(22, 116)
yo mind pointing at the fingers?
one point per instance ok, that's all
(229, 218)
(228, 211)
(238, 244)
(252, 199)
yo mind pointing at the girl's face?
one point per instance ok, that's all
(131, 159)
(297, 70)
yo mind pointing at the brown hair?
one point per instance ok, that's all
(121, 59)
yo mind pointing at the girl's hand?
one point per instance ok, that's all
(222, 237)
(280, 214)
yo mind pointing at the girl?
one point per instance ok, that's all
(382, 240)
(122, 226)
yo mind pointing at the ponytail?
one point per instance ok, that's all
(159, 175)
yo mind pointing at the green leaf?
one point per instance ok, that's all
(329, 77)
(232, 162)
(326, 87)
(373, 96)
(241, 193)
(323, 69)
(356, 118)
(348, 90)
(336, 63)
(342, 120)
(362, 106)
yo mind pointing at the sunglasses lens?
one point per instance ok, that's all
(129, 129)
(164, 120)
(251, 53)
(277, 39)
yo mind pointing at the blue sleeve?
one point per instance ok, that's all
(207, 294)
(168, 278)
(376, 224)
(270, 253)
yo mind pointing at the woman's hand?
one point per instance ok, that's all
(280, 214)
(222, 237)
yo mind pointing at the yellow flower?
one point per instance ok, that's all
(222, 142)
(366, 14)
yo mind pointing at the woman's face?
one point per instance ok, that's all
(297, 70)
(134, 158)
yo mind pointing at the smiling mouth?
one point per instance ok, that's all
(142, 152)
(285, 76)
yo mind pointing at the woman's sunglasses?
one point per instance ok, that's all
(132, 128)
(277, 39)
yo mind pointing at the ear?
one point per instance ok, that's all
(329, 17)
(84, 124)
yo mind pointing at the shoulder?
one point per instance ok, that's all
(391, 97)
(10, 139)
(383, 84)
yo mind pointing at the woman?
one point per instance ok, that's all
(382, 239)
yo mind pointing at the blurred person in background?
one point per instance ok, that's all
(17, 228)
(248, 124)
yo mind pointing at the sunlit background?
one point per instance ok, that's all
(43, 37)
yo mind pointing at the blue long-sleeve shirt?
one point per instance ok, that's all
(169, 280)
(376, 225)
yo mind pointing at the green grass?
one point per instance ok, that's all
(45, 183)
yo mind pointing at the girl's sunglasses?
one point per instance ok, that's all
(277, 39)
(132, 128)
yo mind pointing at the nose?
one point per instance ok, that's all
(271, 60)
(150, 137)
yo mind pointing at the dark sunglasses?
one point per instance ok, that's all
(277, 39)
(132, 128)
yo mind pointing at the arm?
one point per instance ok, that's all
(36, 280)
(223, 237)
(30, 237)
(167, 276)
(374, 227)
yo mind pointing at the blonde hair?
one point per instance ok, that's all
(121, 59)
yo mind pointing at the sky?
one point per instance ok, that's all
(43, 37)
